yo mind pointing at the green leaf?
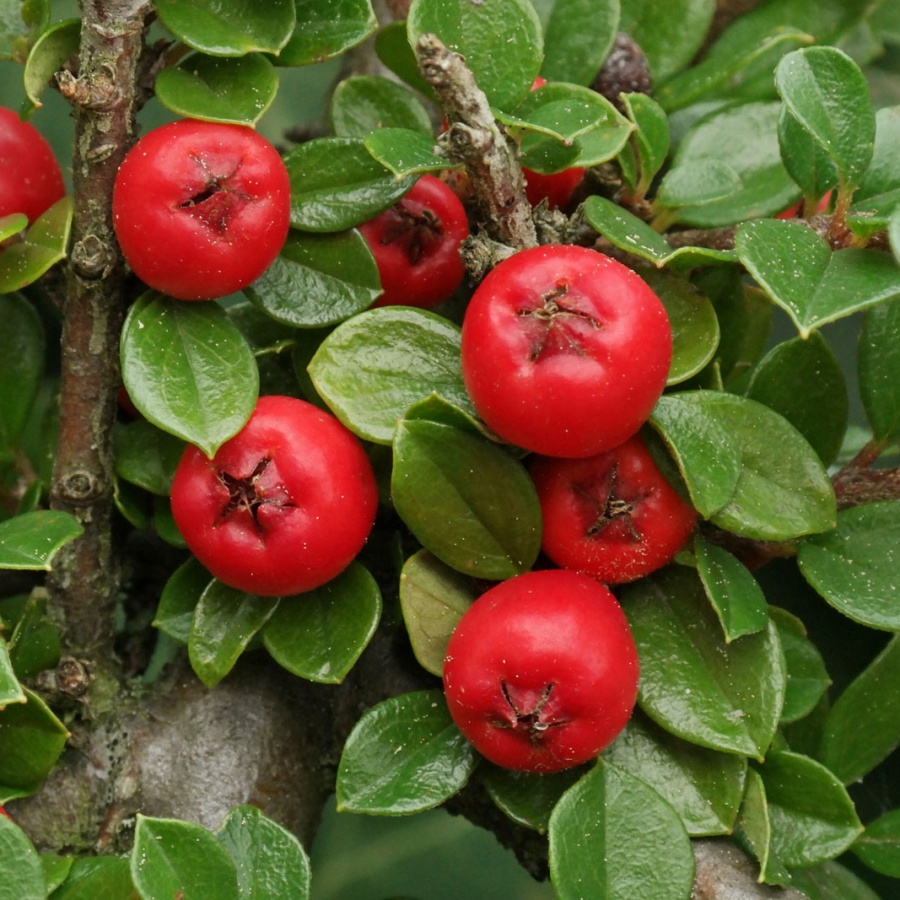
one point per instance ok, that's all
(670, 32)
(50, 52)
(813, 818)
(34, 644)
(217, 89)
(20, 372)
(15, 17)
(578, 34)
(326, 28)
(373, 367)
(724, 696)
(878, 359)
(703, 786)
(804, 158)
(882, 177)
(528, 797)
(361, 104)
(229, 27)
(171, 858)
(829, 96)
(12, 225)
(23, 876)
(433, 598)
(651, 138)
(179, 599)
(403, 756)
(744, 137)
(147, 456)
(10, 689)
(803, 381)
(812, 284)
(44, 245)
(465, 499)
(807, 678)
(392, 48)
(31, 740)
(831, 881)
(782, 492)
(336, 184)
(754, 825)
(612, 816)
(863, 726)
(735, 595)
(318, 280)
(708, 456)
(56, 869)
(879, 845)
(188, 369)
(406, 152)
(696, 182)
(271, 863)
(98, 878)
(225, 621)
(854, 567)
(505, 69)
(31, 540)
(320, 635)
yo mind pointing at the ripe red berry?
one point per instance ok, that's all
(284, 506)
(541, 672)
(613, 516)
(201, 209)
(30, 178)
(564, 350)
(416, 245)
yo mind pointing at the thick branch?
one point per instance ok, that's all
(84, 582)
(490, 156)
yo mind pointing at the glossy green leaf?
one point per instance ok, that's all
(724, 696)
(578, 34)
(744, 137)
(435, 408)
(318, 280)
(754, 826)
(528, 797)
(855, 566)
(882, 177)
(12, 225)
(392, 48)
(229, 27)
(372, 368)
(271, 863)
(878, 359)
(98, 878)
(467, 500)
(319, 635)
(707, 454)
(53, 48)
(804, 158)
(433, 598)
(703, 786)
(670, 32)
(146, 456)
(879, 846)
(831, 881)
(31, 740)
(326, 28)
(406, 152)
(651, 137)
(217, 89)
(23, 877)
(34, 644)
(44, 245)
(225, 621)
(179, 599)
(612, 816)
(812, 284)
(31, 540)
(863, 726)
(807, 677)
(362, 104)
(735, 595)
(403, 756)
(803, 381)
(56, 869)
(10, 689)
(829, 96)
(336, 184)
(783, 492)
(813, 818)
(504, 69)
(20, 372)
(171, 858)
(696, 182)
(188, 369)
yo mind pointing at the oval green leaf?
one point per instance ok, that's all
(878, 360)
(31, 741)
(10, 689)
(320, 635)
(180, 598)
(97, 878)
(20, 372)
(31, 540)
(50, 52)
(831, 881)
(578, 34)
(528, 797)
(696, 182)
(807, 678)
(23, 875)
(362, 104)
(326, 28)
(44, 245)
(465, 499)
(754, 827)
(188, 369)
(879, 846)
(147, 456)
(403, 756)
(406, 152)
